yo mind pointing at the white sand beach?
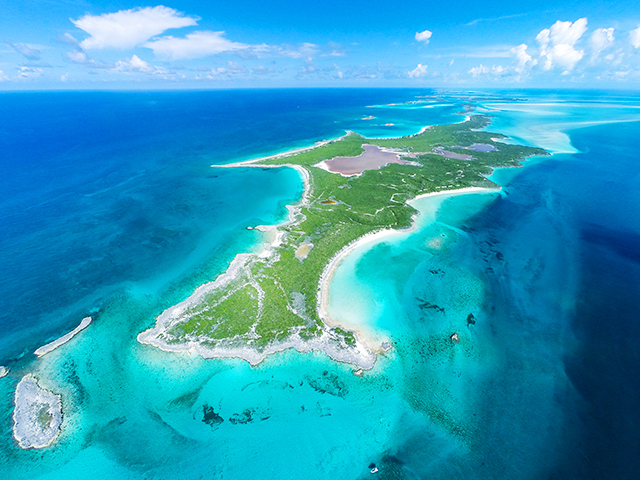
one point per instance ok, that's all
(363, 331)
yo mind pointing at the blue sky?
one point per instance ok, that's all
(76, 44)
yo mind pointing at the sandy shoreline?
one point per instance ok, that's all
(331, 267)
(360, 356)
(286, 154)
(49, 347)
(363, 354)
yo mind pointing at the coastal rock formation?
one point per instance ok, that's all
(37, 416)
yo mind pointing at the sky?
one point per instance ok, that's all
(181, 44)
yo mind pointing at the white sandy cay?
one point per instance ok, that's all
(4, 371)
(362, 354)
(37, 417)
(49, 347)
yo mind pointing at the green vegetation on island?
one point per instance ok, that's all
(274, 298)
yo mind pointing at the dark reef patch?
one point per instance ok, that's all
(210, 417)
(328, 383)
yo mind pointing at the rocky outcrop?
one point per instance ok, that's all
(37, 417)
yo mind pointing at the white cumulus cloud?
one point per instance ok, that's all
(128, 28)
(557, 44)
(80, 57)
(480, 70)
(134, 64)
(424, 36)
(522, 57)
(232, 69)
(634, 37)
(194, 45)
(601, 39)
(305, 50)
(496, 70)
(419, 71)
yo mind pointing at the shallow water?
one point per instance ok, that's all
(549, 270)
(539, 384)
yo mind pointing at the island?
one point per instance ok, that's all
(354, 188)
(37, 417)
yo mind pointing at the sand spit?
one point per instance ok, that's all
(37, 416)
(283, 154)
(49, 347)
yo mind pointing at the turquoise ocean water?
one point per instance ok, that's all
(111, 209)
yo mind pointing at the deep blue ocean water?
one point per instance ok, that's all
(106, 189)
(109, 207)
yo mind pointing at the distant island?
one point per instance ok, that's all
(354, 187)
